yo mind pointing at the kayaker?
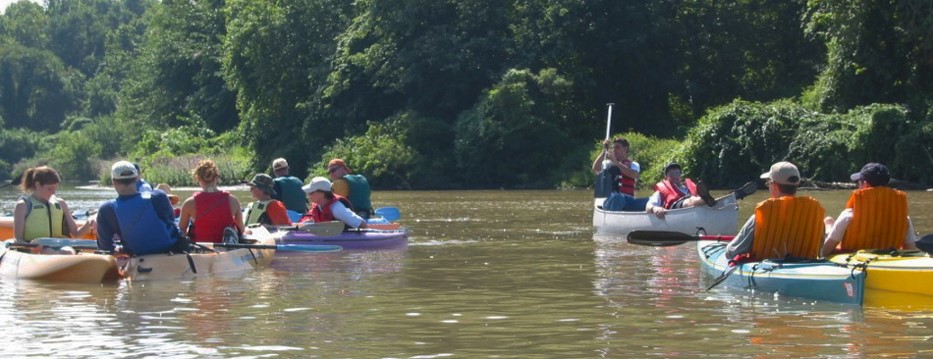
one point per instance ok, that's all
(144, 222)
(673, 192)
(265, 210)
(785, 225)
(211, 209)
(875, 216)
(354, 187)
(40, 213)
(141, 184)
(172, 198)
(617, 177)
(327, 206)
(287, 188)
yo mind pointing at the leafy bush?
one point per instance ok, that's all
(380, 154)
(73, 156)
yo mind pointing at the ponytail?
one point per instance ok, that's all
(38, 176)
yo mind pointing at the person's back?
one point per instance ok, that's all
(288, 190)
(877, 219)
(212, 216)
(788, 226)
(354, 187)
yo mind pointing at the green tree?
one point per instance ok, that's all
(37, 91)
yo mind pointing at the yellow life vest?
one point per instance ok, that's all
(879, 219)
(44, 220)
(256, 211)
(788, 226)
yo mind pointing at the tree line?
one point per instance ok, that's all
(467, 93)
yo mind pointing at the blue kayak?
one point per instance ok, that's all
(811, 279)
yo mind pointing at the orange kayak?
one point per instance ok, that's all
(6, 228)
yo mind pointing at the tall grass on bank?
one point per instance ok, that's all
(176, 171)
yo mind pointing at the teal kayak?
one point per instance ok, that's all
(811, 279)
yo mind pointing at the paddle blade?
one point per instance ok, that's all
(309, 247)
(658, 238)
(293, 215)
(926, 243)
(391, 214)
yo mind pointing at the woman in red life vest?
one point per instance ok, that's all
(327, 206)
(211, 209)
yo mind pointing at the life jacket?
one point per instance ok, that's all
(359, 193)
(325, 213)
(626, 184)
(788, 226)
(44, 220)
(141, 229)
(288, 190)
(258, 212)
(879, 219)
(212, 215)
(670, 192)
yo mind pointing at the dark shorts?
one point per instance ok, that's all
(679, 203)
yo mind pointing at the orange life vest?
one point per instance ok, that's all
(879, 219)
(670, 192)
(788, 226)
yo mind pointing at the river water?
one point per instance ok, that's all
(496, 274)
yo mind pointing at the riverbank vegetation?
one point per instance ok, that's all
(464, 93)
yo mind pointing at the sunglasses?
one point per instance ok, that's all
(332, 169)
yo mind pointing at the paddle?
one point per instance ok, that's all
(284, 247)
(324, 229)
(293, 216)
(86, 246)
(390, 214)
(925, 244)
(666, 238)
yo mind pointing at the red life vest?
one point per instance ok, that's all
(626, 184)
(670, 192)
(212, 215)
(324, 213)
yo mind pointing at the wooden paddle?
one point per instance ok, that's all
(667, 238)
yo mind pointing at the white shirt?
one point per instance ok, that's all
(345, 215)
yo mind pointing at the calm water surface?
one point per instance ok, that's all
(501, 274)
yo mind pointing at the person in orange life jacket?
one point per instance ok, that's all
(265, 210)
(39, 213)
(888, 203)
(784, 224)
(172, 198)
(623, 173)
(326, 206)
(673, 193)
(211, 209)
(144, 221)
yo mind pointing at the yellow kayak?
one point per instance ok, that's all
(901, 279)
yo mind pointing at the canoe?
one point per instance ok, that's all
(721, 219)
(894, 279)
(81, 267)
(820, 280)
(219, 261)
(353, 239)
(6, 228)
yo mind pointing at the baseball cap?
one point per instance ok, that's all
(123, 170)
(875, 174)
(263, 182)
(279, 163)
(783, 173)
(317, 184)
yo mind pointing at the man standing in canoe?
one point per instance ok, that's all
(673, 192)
(785, 225)
(287, 188)
(875, 216)
(354, 187)
(143, 221)
(618, 179)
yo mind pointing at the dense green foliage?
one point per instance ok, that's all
(466, 93)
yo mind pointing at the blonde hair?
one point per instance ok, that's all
(206, 171)
(40, 175)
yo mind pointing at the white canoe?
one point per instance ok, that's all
(205, 263)
(69, 268)
(721, 219)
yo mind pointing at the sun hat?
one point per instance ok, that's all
(783, 173)
(123, 170)
(279, 163)
(875, 174)
(164, 187)
(317, 184)
(263, 182)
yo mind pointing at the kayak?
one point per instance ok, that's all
(813, 279)
(894, 278)
(80, 267)
(721, 219)
(6, 228)
(211, 260)
(352, 239)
